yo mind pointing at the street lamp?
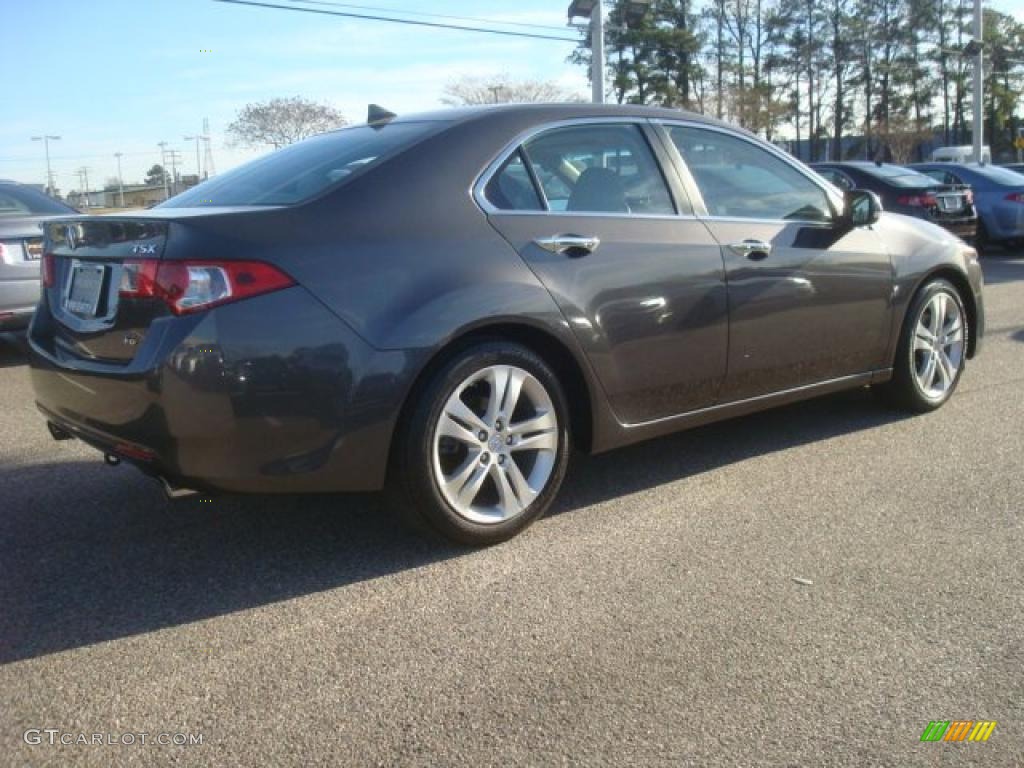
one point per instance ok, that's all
(591, 9)
(635, 12)
(49, 173)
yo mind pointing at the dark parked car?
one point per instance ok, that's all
(22, 213)
(909, 192)
(998, 197)
(442, 304)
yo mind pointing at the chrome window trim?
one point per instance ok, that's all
(830, 194)
(476, 191)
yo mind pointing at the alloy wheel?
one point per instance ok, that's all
(938, 346)
(495, 445)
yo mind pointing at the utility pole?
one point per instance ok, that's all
(120, 180)
(163, 166)
(50, 188)
(175, 157)
(199, 170)
(208, 157)
(979, 84)
(83, 181)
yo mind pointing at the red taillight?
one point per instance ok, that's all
(1016, 197)
(49, 270)
(192, 286)
(917, 201)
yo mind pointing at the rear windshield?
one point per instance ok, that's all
(302, 171)
(24, 201)
(899, 176)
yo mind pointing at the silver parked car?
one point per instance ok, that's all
(22, 212)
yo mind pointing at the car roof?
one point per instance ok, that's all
(549, 112)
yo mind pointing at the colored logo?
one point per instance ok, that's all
(958, 730)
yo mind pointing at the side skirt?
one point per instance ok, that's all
(627, 434)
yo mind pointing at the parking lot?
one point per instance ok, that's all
(805, 587)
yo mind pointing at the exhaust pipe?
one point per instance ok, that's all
(172, 491)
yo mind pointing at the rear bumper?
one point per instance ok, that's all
(966, 229)
(270, 395)
(18, 299)
(16, 319)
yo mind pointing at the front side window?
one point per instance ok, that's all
(739, 179)
(599, 169)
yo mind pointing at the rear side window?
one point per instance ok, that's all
(739, 179)
(940, 175)
(598, 169)
(841, 180)
(512, 189)
(304, 170)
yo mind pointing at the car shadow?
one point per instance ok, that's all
(13, 350)
(90, 553)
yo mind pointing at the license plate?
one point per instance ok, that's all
(951, 203)
(85, 289)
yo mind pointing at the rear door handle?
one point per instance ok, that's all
(752, 249)
(569, 245)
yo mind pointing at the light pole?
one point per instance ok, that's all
(979, 101)
(46, 148)
(594, 10)
(120, 180)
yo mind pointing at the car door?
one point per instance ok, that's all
(809, 298)
(639, 279)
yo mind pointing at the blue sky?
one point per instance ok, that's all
(121, 75)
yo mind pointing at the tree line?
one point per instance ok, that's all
(848, 79)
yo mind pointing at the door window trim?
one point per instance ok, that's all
(663, 162)
(661, 125)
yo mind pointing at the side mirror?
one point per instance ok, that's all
(863, 207)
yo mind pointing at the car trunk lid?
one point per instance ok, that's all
(85, 270)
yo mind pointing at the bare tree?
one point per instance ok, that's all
(501, 89)
(280, 122)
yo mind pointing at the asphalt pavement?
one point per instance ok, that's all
(805, 587)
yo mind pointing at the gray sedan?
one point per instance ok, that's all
(22, 211)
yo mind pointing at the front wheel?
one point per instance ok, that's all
(932, 349)
(484, 449)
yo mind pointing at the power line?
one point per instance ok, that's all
(476, 19)
(412, 22)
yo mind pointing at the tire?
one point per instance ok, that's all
(921, 356)
(475, 491)
(982, 243)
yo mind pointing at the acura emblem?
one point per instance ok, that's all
(71, 236)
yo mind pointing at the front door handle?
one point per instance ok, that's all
(569, 245)
(752, 249)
